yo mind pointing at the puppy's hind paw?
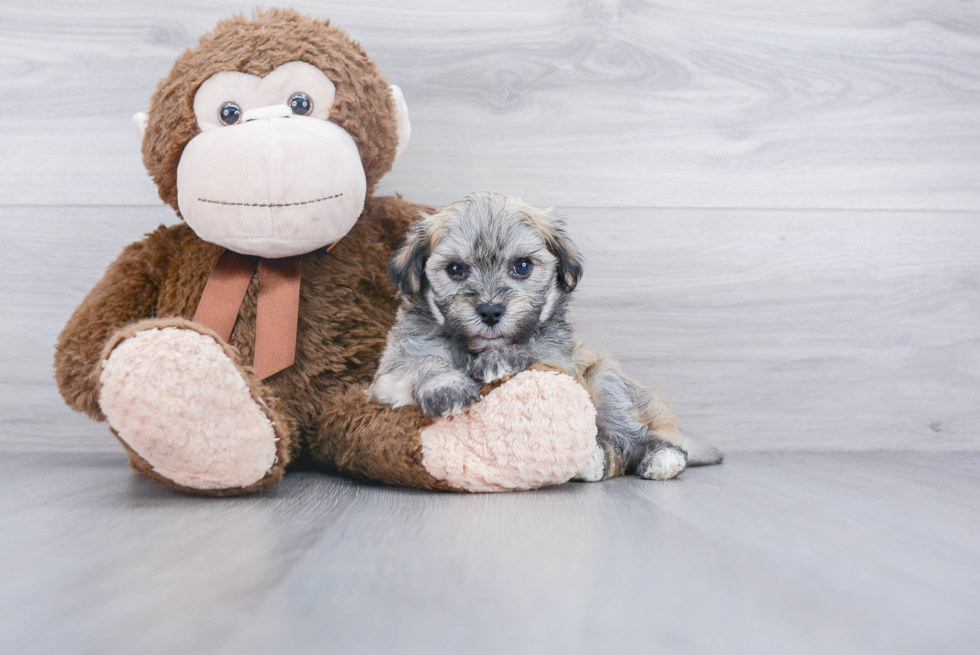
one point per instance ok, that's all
(595, 468)
(662, 463)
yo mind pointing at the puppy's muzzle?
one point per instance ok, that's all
(490, 314)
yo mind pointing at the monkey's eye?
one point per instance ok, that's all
(230, 113)
(301, 104)
(521, 267)
(457, 271)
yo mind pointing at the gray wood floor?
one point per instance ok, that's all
(769, 553)
(780, 209)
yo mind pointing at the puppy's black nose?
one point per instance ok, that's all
(490, 313)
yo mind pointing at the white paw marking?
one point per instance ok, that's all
(662, 464)
(392, 389)
(455, 410)
(498, 371)
(594, 468)
(494, 373)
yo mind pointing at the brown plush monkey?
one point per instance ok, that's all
(241, 340)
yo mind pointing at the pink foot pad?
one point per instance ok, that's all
(176, 398)
(536, 429)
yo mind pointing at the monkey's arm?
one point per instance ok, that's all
(126, 293)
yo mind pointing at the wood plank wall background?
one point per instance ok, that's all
(779, 202)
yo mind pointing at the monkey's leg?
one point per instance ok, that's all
(370, 440)
(189, 414)
(532, 430)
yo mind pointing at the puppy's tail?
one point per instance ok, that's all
(699, 451)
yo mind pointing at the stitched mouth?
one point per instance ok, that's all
(269, 204)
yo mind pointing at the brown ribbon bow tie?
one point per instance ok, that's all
(277, 312)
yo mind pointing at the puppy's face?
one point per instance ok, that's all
(489, 268)
(490, 277)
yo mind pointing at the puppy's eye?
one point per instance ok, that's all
(230, 113)
(521, 267)
(301, 104)
(457, 271)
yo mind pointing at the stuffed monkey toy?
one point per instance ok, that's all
(240, 341)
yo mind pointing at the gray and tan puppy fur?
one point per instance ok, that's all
(484, 287)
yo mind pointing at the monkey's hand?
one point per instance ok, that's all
(446, 393)
(495, 363)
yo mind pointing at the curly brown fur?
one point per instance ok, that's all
(348, 438)
(347, 306)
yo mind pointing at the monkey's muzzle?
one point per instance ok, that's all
(272, 186)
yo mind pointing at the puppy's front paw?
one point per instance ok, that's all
(496, 363)
(446, 394)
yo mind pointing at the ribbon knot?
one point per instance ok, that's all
(277, 312)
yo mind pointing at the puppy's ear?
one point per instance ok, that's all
(551, 228)
(569, 258)
(407, 267)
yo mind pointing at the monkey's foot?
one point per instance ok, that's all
(175, 397)
(537, 428)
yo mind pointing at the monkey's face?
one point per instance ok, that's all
(269, 174)
(263, 153)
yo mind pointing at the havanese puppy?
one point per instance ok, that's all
(484, 285)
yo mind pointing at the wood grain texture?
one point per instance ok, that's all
(770, 330)
(824, 104)
(848, 320)
(787, 330)
(768, 553)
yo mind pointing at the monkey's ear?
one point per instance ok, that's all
(569, 258)
(407, 267)
(401, 118)
(139, 122)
